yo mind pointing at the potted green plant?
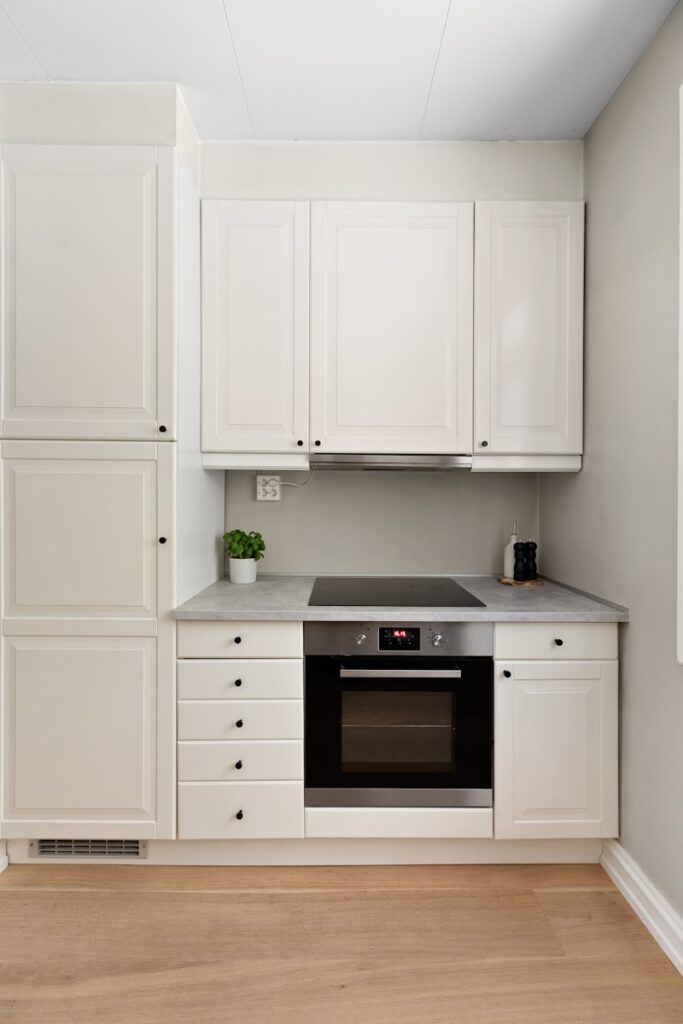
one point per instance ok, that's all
(244, 551)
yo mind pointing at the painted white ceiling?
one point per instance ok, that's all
(347, 69)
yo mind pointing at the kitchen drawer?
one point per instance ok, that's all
(269, 810)
(244, 679)
(258, 760)
(243, 639)
(260, 719)
(576, 641)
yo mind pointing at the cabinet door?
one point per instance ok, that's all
(555, 750)
(81, 529)
(87, 332)
(528, 328)
(254, 326)
(391, 327)
(79, 737)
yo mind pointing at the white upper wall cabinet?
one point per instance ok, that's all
(391, 327)
(88, 292)
(528, 328)
(255, 326)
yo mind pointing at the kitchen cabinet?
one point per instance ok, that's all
(255, 327)
(88, 292)
(555, 749)
(80, 737)
(528, 329)
(391, 327)
(240, 730)
(83, 524)
(87, 589)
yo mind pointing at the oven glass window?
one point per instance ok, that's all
(397, 731)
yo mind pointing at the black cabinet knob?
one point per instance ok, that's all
(162, 429)
(484, 444)
(558, 642)
(239, 815)
(238, 682)
(238, 766)
(300, 443)
(239, 723)
(318, 443)
(238, 639)
(507, 673)
(162, 540)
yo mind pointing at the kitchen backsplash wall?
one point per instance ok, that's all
(375, 522)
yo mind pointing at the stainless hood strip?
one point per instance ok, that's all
(419, 462)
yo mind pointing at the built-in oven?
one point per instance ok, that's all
(398, 714)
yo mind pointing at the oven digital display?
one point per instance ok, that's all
(399, 638)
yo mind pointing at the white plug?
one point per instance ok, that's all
(267, 488)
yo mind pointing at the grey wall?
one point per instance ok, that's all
(344, 522)
(612, 530)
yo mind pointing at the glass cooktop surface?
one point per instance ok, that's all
(391, 592)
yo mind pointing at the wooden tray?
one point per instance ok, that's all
(520, 583)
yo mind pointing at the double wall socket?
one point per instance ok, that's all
(267, 488)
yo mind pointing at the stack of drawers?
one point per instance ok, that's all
(240, 730)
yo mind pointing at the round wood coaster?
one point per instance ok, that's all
(520, 583)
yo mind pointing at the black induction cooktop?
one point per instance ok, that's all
(392, 592)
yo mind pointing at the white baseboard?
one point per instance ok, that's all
(347, 851)
(3, 857)
(663, 922)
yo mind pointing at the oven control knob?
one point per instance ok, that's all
(438, 640)
(360, 639)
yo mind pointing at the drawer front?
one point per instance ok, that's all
(241, 761)
(575, 641)
(269, 810)
(240, 639)
(260, 720)
(243, 679)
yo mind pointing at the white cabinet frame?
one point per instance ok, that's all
(42, 266)
(528, 329)
(255, 283)
(355, 407)
(556, 749)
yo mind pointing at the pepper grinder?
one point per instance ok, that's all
(520, 561)
(531, 567)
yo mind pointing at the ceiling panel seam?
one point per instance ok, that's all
(239, 70)
(34, 55)
(436, 64)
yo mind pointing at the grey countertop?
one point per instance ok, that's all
(286, 598)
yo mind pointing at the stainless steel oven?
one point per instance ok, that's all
(399, 714)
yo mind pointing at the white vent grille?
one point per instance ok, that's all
(87, 848)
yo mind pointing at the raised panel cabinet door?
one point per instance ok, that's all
(391, 327)
(79, 737)
(86, 537)
(528, 328)
(254, 326)
(555, 750)
(88, 286)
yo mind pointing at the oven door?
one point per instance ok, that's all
(388, 731)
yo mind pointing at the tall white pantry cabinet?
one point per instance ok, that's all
(89, 253)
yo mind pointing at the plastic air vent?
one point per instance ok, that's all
(87, 848)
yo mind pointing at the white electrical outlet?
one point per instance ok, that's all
(267, 488)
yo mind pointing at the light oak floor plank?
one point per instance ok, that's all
(397, 945)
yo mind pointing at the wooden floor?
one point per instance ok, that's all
(380, 945)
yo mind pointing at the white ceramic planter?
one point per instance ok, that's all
(242, 570)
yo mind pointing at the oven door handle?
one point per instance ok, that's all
(400, 673)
